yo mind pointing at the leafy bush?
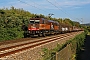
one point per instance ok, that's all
(75, 43)
(10, 33)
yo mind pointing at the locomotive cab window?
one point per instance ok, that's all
(32, 21)
(37, 21)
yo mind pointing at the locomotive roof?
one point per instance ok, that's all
(34, 18)
(46, 19)
(43, 18)
(53, 21)
(38, 18)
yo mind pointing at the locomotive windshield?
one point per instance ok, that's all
(34, 21)
(37, 21)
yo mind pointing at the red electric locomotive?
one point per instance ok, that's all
(41, 27)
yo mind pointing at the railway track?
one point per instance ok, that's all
(21, 46)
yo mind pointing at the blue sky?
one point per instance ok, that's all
(76, 10)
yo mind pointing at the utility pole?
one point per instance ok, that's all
(82, 20)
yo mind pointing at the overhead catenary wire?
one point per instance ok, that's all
(31, 5)
(50, 13)
(60, 7)
(56, 6)
(47, 11)
(41, 9)
(35, 3)
(69, 14)
(41, 6)
(62, 10)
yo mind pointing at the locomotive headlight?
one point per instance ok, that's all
(29, 29)
(36, 31)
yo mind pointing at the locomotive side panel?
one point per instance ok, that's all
(56, 27)
(47, 27)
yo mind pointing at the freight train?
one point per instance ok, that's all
(43, 27)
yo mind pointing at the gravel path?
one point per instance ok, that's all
(85, 53)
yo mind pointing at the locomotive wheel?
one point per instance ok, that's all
(39, 35)
(43, 34)
(31, 35)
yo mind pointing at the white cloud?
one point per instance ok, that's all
(44, 4)
(72, 3)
